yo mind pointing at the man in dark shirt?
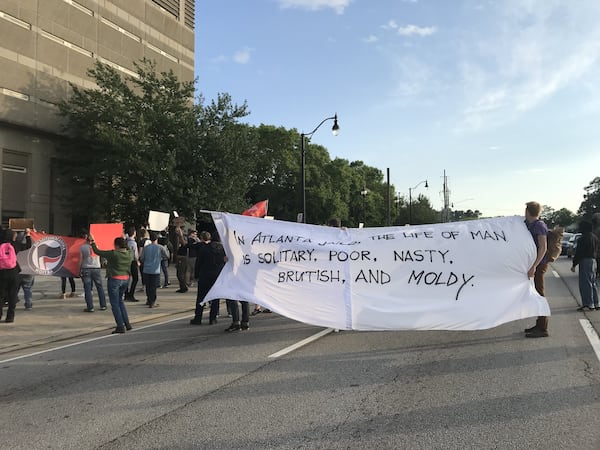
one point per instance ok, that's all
(210, 259)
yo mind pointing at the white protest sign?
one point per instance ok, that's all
(158, 221)
(453, 276)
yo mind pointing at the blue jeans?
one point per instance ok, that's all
(164, 268)
(89, 276)
(587, 282)
(26, 283)
(116, 292)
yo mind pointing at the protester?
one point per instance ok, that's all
(26, 281)
(63, 287)
(163, 241)
(91, 274)
(151, 257)
(135, 264)
(181, 260)
(232, 306)
(144, 240)
(210, 260)
(118, 267)
(586, 253)
(9, 270)
(192, 248)
(539, 233)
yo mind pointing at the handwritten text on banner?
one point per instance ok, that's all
(454, 276)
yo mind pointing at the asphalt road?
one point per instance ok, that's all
(177, 386)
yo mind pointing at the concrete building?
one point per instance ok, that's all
(47, 44)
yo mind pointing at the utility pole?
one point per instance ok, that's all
(446, 198)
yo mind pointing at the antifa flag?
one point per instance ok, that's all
(51, 255)
(257, 210)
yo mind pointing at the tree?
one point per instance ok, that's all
(591, 202)
(130, 142)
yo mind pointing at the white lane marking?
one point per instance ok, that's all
(591, 335)
(555, 273)
(302, 343)
(41, 352)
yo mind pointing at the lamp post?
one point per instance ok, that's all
(335, 129)
(397, 202)
(364, 193)
(410, 199)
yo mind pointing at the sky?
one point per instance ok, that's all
(504, 96)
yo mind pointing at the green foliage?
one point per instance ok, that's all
(138, 143)
(591, 202)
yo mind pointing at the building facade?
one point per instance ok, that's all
(44, 46)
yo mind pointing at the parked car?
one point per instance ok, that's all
(565, 242)
(572, 245)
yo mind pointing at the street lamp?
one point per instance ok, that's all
(397, 200)
(364, 193)
(410, 199)
(335, 129)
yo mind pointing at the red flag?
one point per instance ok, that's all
(257, 210)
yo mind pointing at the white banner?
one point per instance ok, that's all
(453, 276)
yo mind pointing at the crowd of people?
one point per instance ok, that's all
(199, 259)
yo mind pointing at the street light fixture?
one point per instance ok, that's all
(335, 129)
(410, 199)
(364, 193)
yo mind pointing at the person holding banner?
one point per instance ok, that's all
(539, 233)
(118, 267)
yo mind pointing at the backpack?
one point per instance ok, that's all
(554, 239)
(8, 256)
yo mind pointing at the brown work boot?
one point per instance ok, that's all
(541, 330)
(537, 326)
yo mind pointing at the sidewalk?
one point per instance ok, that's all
(53, 319)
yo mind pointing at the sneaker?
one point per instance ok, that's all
(128, 327)
(212, 321)
(62, 296)
(195, 322)
(132, 299)
(181, 291)
(244, 326)
(28, 308)
(153, 305)
(256, 311)
(103, 308)
(72, 294)
(88, 310)
(233, 327)
(119, 330)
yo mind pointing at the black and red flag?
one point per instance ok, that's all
(51, 255)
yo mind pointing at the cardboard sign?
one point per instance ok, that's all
(158, 221)
(19, 224)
